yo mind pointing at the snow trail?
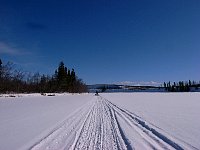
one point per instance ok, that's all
(100, 124)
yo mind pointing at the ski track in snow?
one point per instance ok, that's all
(100, 124)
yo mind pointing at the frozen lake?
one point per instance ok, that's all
(111, 120)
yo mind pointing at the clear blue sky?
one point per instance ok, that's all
(105, 41)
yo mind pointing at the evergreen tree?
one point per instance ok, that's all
(190, 83)
(43, 83)
(62, 77)
(73, 76)
(165, 86)
(181, 86)
(1, 63)
(193, 83)
(1, 78)
(1, 69)
(174, 87)
(104, 88)
(64, 80)
(56, 74)
(187, 88)
(169, 86)
(61, 72)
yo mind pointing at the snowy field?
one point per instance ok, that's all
(174, 114)
(108, 121)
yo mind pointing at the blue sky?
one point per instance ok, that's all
(105, 41)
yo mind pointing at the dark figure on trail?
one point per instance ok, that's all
(96, 94)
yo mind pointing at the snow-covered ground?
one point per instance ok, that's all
(108, 121)
(176, 114)
(26, 119)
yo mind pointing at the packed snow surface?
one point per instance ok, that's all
(109, 121)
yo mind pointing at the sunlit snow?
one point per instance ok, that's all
(108, 121)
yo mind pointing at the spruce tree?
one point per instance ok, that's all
(61, 71)
(1, 79)
(62, 77)
(190, 83)
(1, 68)
(169, 86)
(1, 63)
(174, 87)
(165, 86)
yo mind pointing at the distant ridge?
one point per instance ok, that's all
(125, 87)
(140, 83)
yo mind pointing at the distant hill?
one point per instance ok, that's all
(123, 88)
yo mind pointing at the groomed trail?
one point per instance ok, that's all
(100, 124)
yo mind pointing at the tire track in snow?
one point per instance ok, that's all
(150, 135)
(64, 135)
(92, 127)
(100, 130)
(100, 125)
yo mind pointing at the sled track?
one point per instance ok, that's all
(100, 124)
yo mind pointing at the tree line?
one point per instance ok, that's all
(181, 86)
(17, 81)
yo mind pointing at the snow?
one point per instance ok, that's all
(24, 118)
(175, 113)
(108, 121)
